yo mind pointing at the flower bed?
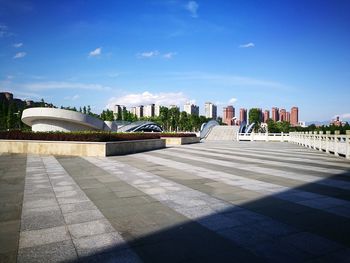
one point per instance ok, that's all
(77, 136)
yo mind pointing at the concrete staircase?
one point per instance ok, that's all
(223, 133)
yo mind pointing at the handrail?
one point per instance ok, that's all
(330, 143)
(206, 128)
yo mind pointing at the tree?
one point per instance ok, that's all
(184, 124)
(164, 117)
(272, 127)
(11, 118)
(3, 116)
(107, 115)
(84, 110)
(255, 117)
(174, 114)
(283, 126)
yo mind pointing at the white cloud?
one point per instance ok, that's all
(96, 52)
(4, 32)
(75, 97)
(135, 99)
(169, 55)
(9, 77)
(248, 45)
(192, 7)
(20, 55)
(64, 85)
(232, 101)
(18, 45)
(148, 54)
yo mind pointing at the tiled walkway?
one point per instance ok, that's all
(208, 202)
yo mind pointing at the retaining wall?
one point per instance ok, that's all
(172, 141)
(97, 149)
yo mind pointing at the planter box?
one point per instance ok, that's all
(171, 141)
(97, 149)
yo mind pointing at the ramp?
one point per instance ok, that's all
(222, 133)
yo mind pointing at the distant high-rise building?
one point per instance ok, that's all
(275, 115)
(191, 109)
(294, 116)
(148, 110)
(210, 110)
(283, 114)
(261, 115)
(266, 115)
(243, 115)
(228, 115)
(139, 111)
(118, 112)
(157, 110)
(287, 116)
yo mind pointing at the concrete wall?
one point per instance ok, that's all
(52, 119)
(171, 141)
(98, 149)
(58, 125)
(128, 147)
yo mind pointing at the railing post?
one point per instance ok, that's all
(252, 136)
(281, 136)
(336, 143)
(328, 133)
(320, 141)
(347, 141)
(314, 139)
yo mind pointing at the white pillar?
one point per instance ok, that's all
(328, 134)
(320, 141)
(336, 143)
(347, 141)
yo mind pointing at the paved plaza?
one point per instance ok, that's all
(207, 202)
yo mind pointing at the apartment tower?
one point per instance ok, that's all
(228, 115)
(275, 115)
(243, 115)
(294, 116)
(210, 110)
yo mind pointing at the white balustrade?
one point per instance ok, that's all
(330, 143)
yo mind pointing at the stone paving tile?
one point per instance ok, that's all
(43, 219)
(43, 236)
(315, 245)
(54, 233)
(90, 228)
(12, 175)
(63, 251)
(8, 237)
(82, 216)
(77, 207)
(95, 244)
(285, 193)
(248, 235)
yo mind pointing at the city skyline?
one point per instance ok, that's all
(246, 54)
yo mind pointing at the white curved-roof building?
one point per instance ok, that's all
(52, 119)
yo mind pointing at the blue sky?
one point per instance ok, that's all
(249, 53)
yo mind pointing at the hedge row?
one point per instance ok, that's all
(85, 136)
